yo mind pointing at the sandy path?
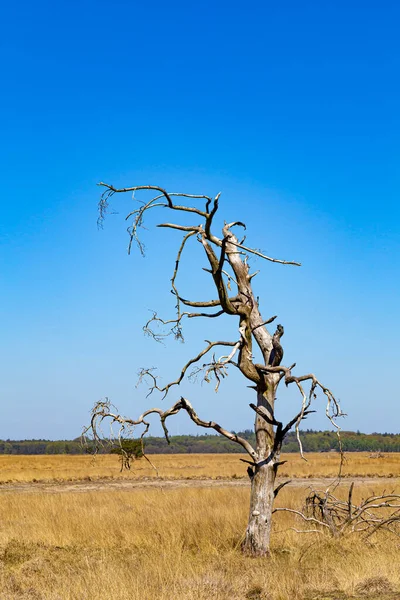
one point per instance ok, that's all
(170, 484)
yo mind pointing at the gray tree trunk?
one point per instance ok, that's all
(258, 532)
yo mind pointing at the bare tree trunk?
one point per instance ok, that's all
(258, 532)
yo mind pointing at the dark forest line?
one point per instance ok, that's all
(313, 441)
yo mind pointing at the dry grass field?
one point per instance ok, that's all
(183, 543)
(193, 466)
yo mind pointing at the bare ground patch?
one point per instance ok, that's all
(86, 485)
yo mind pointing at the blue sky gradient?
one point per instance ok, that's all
(289, 109)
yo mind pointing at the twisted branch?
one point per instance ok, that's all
(103, 411)
(333, 409)
(176, 328)
(165, 389)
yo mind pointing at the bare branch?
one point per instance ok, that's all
(103, 410)
(253, 275)
(305, 530)
(217, 367)
(138, 215)
(216, 266)
(332, 409)
(304, 405)
(300, 514)
(174, 275)
(138, 222)
(165, 389)
(182, 195)
(194, 229)
(228, 226)
(206, 304)
(209, 315)
(280, 486)
(209, 304)
(211, 215)
(211, 424)
(163, 192)
(270, 320)
(176, 328)
(264, 256)
(262, 411)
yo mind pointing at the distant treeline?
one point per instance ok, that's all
(313, 441)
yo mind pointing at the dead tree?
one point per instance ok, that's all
(227, 259)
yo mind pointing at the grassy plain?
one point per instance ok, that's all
(193, 466)
(184, 543)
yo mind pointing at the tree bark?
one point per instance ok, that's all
(258, 532)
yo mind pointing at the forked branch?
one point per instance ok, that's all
(332, 410)
(102, 411)
(148, 373)
(175, 325)
(208, 215)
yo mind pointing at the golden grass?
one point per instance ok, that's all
(193, 466)
(179, 544)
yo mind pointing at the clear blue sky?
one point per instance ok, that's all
(290, 109)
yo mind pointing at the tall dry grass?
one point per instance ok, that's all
(193, 466)
(181, 544)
